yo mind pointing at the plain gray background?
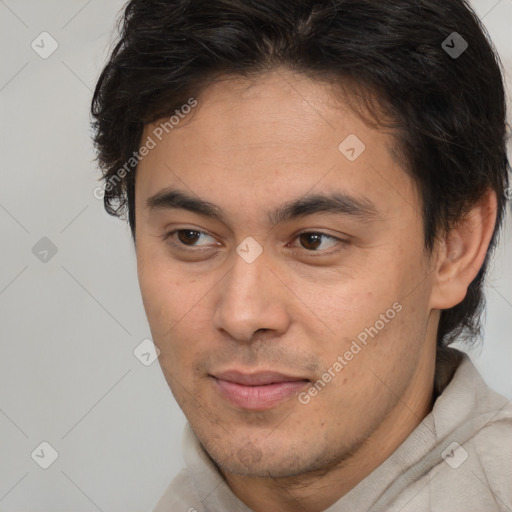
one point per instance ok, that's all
(70, 323)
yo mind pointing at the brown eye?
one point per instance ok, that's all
(188, 236)
(310, 240)
(313, 241)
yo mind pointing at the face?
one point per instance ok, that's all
(284, 276)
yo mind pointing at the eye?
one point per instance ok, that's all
(318, 242)
(188, 237)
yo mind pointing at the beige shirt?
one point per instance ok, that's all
(459, 459)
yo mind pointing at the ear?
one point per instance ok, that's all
(461, 252)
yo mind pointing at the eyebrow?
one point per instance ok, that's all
(337, 203)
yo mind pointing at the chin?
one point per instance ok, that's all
(264, 460)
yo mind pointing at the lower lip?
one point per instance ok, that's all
(258, 398)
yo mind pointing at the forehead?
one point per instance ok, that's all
(275, 134)
(278, 109)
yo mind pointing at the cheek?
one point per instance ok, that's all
(163, 296)
(165, 293)
(159, 294)
(374, 309)
(177, 309)
(348, 307)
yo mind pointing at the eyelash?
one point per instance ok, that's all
(192, 248)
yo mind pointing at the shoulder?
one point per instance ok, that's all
(473, 427)
(492, 446)
(477, 456)
(180, 496)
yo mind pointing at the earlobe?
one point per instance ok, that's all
(461, 253)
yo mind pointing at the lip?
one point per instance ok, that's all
(256, 378)
(257, 391)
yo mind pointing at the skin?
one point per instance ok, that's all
(248, 148)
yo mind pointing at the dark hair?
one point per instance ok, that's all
(448, 111)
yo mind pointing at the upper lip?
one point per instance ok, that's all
(256, 378)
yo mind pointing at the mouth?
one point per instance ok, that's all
(257, 391)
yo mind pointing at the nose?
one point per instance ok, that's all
(251, 298)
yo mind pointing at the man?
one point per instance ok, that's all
(314, 190)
